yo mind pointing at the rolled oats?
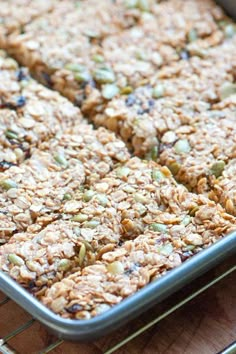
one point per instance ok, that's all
(83, 225)
(29, 113)
(15, 14)
(128, 40)
(211, 144)
(35, 191)
(91, 229)
(129, 267)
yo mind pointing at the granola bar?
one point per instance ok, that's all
(17, 13)
(29, 201)
(134, 198)
(197, 152)
(135, 193)
(30, 113)
(176, 96)
(123, 271)
(98, 150)
(45, 42)
(83, 225)
(37, 260)
(97, 217)
(85, 55)
(35, 191)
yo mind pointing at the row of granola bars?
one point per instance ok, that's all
(83, 224)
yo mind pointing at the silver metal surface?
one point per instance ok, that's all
(231, 349)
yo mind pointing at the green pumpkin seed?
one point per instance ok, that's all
(166, 249)
(81, 188)
(115, 268)
(128, 189)
(141, 209)
(11, 135)
(104, 76)
(230, 30)
(109, 91)
(143, 5)
(91, 34)
(126, 90)
(98, 58)
(80, 218)
(186, 220)
(182, 146)
(88, 246)
(140, 55)
(75, 67)
(157, 175)
(8, 184)
(159, 227)
(67, 196)
(88, 195)
(131, 4)
(82, 253)
(154, 153)
(174, 168)
(122, 172)
(222, 23)
(92, 224)
(193, 211)
(82, 76)
(61, 160)
(102, 199)
(158, 91)
(16, 260)
(190, 247)
(192, 35)
(64, 265)
(217, 168)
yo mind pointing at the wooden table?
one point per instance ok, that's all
(205, 325)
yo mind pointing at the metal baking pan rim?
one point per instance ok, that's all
(129, 308)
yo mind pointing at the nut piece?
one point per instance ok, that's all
(115, 268)
(194, 239)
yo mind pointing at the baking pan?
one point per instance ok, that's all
(129, 308)
(88, 330)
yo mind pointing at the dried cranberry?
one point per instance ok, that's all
(130, 100)
(74, 308)
(4, 165)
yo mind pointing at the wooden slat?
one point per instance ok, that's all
(11, 317)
